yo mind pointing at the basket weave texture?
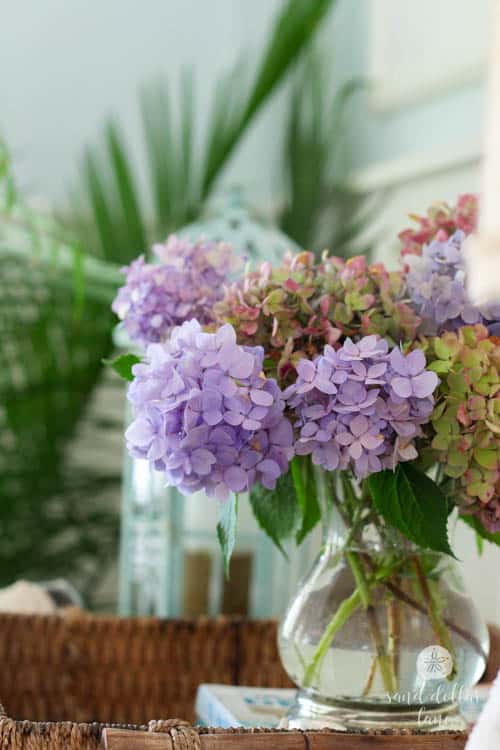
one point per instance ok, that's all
(107, 669)
(64, 679)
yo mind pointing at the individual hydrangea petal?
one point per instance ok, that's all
(402, 387)
(398, 362)
(270, 467)
(140, 432)
(306, 370)
(236, 479)
(282, 433)
(242, 367)
(202, 461)
(261, 397)
(424, 384)
(359, 425)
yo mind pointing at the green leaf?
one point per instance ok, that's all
(293, 29)
(277, 511)
(226, 529)
(477, 526)
(305, 492)
(123, 365)
(413, 503)
(126, 187)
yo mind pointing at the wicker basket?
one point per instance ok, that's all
(68, 672)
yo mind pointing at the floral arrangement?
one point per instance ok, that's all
(358, 367)
(382, 385)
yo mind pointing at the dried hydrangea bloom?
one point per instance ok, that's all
(466, 419)
(185, 283)
(440, 223)
(361, 407)
(206, 416)
(295, 309)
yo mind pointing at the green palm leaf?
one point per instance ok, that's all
(320, 209)
(119, 216)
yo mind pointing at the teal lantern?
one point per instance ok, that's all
(170, 564)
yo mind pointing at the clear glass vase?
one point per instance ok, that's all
(380, 633)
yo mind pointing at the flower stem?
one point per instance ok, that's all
(343, 613)
(438, 625)
(394, 630)
(371, 676)
(411, 602)
(378, 641)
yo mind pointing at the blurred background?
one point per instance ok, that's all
(121, 121)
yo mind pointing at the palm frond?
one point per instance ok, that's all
(292, 31)
(320, 210)
(54, 322)
(119, 220)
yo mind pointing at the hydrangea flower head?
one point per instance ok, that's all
(361, 407)
(466, 419)
(436, 287)
(295, 309)
(206, 416)
(185, 284)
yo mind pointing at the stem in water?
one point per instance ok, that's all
(371, 615)
(343, 613)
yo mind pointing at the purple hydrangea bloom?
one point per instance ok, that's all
(361, 407)
(206, 416)
(436, 286)
(185, 284)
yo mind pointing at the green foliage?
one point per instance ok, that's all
(54, 318)
(306, 493)
(320, 209)
(118, 222)
(226, 529)
(413, 503)
(277, 511)
(123, 365)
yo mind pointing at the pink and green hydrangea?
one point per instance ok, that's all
(295, 309)
(466, 418)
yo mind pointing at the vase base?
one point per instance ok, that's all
(310, 712)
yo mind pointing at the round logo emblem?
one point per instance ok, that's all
(434, 663)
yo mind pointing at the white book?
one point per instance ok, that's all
(231, 706)
(234, 706)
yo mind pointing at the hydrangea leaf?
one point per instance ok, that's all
(277, 511)
(305, 490)
(123, 365)
(413, 503)
(226, 529)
